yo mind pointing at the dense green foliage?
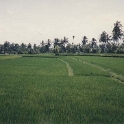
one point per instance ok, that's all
(105, 44)
(38, 90)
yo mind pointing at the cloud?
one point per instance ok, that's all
(10, 12)
(2, 28)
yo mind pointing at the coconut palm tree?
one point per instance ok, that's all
(42, 43)
(117, 32)
(85, 40)
(104, 37)
(73, 37)
(93, 42)
(94, 47)
(65, 40)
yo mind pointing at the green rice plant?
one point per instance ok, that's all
(36, 90)
(112, 64)
(4, 57)
(32, 66)
(83, 69)
(35, 99)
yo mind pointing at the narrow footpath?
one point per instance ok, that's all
(70, 70)
(113, 75)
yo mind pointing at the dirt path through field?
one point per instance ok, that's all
(70, 70)
(113, 75)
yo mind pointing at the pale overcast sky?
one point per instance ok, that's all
(36, 20)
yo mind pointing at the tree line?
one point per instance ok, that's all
(106, 44)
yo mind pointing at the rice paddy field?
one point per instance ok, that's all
(61, 90)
